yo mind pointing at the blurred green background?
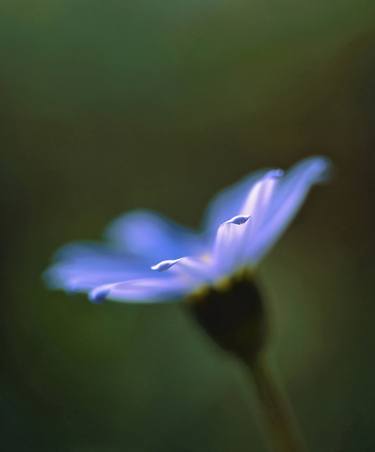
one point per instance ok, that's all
(111, 105)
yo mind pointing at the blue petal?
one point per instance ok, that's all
(156, 288)
(228, 202)
(195, 271)
(82, 266)
(228, 247)
(287, 198)
(149, 235)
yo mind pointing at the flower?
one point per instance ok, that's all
(147, 258)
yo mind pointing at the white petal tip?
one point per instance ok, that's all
(238, 219)
(99, 295)
(164, 265)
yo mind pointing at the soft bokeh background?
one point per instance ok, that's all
(109, 106)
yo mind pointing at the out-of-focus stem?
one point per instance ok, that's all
(281, 428)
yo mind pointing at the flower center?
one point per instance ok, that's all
(233, 315)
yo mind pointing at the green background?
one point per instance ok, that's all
(107, 106)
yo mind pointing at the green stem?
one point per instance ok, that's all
(281, 427)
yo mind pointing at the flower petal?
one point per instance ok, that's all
(228, 244)
(207, 268)
(147, 234)
(256, 204)
(229, 202)
(196, 270)
(287, 197)
(80, 267)
(260, 195)
(158, 287)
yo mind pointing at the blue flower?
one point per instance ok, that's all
(147, 258)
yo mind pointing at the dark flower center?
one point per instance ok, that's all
(233, 316)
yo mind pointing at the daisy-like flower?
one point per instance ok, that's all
(147, 258)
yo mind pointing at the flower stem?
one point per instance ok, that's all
(281, 428)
